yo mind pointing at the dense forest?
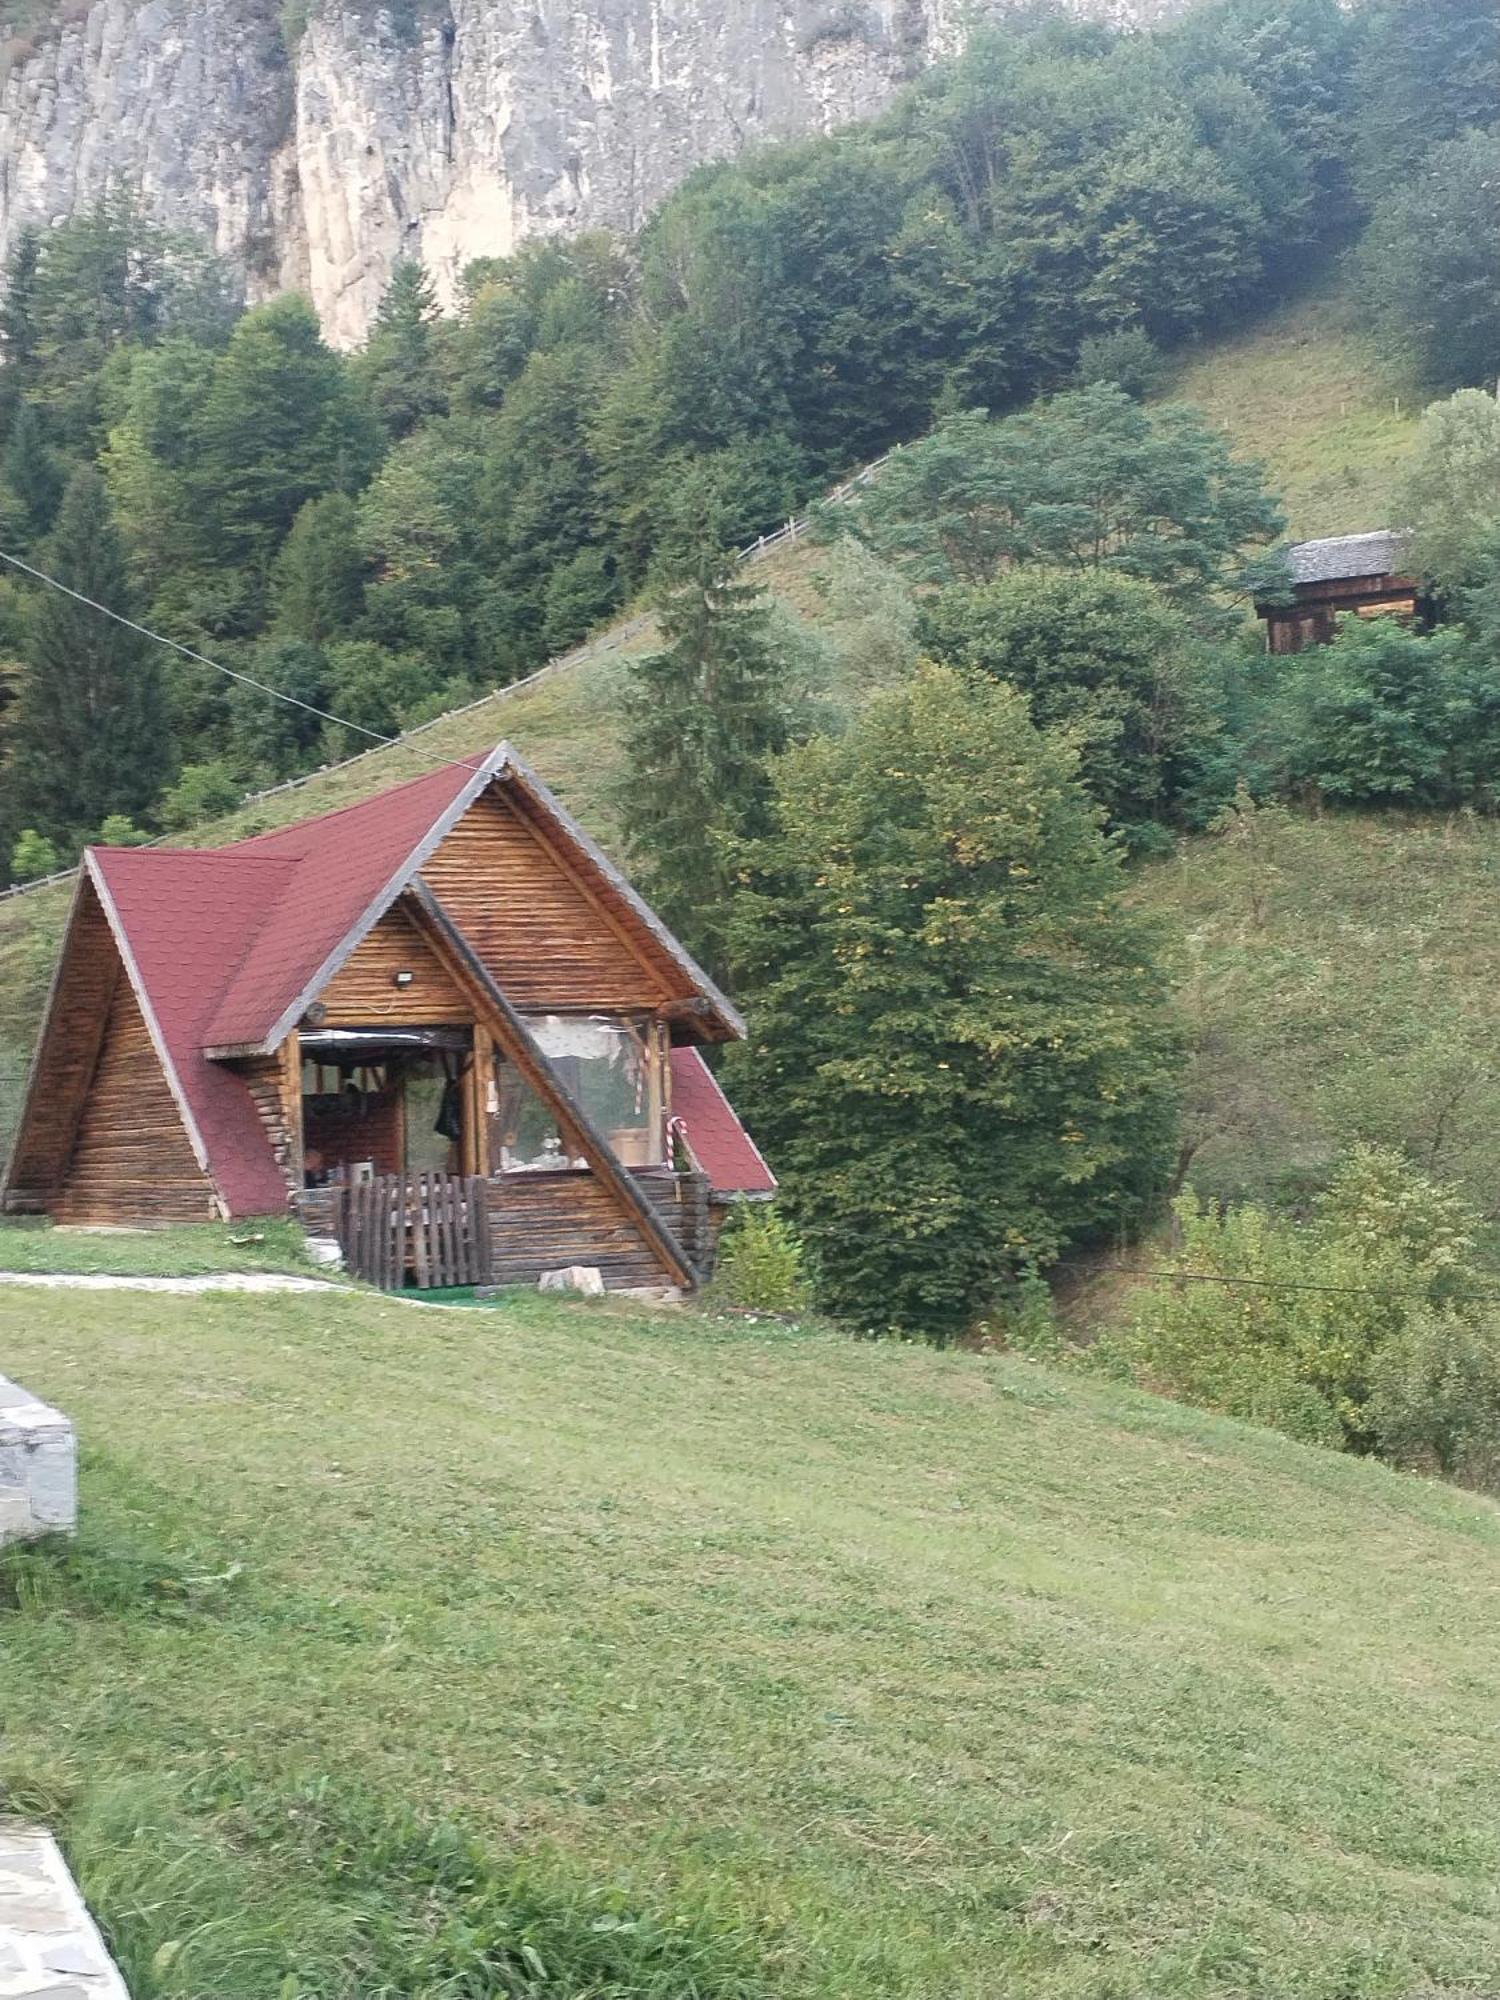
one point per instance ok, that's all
(384, 534)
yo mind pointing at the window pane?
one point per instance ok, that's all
(605, 1065)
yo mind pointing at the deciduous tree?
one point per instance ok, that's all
(962, 1056)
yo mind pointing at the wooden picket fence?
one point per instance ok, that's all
(429, 1229)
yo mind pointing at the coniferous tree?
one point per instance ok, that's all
(90, 736)
(33, 478)
(399, 365)
(703, 715)
(18, 290)
(962, 1053)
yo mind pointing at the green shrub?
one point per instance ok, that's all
(1305, 1350)
(1435, 1399)
(33, 856)
(1128, 357)
(760, 1263)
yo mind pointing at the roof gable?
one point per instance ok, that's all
(156, 903)
(348, 868)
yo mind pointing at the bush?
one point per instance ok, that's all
(1435, 1398)
(203, 791)
(1128, 357)
(33, 856)
(1385, 716)
(1384, 1247)
(761, 1263)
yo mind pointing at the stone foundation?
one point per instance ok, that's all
(38, 1470)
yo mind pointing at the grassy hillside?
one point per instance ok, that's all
(880, 1671)
(1340, 976)
(1307, 393)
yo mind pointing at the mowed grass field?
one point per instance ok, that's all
(789, 1664)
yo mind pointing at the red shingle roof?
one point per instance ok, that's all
(342, 864)
(717, 1140)
(179, 918)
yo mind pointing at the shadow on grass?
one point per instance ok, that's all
(86, 1577)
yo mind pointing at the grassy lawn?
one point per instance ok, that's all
(182, 1251)
(764, 1661)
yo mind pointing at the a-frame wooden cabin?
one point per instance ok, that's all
(440, 1024)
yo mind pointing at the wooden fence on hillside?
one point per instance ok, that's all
(618, 636)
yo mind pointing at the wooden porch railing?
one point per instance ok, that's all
(433, 1226)
(441, 1231)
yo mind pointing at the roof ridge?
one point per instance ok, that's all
(358, 805)
(195, 853)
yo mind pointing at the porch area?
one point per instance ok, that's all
(437, 1231)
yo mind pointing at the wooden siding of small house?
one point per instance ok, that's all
(1313, 620)
(132, 1160)
(548, 941)
(545, 1222)
(364, 993)
(65, 1062)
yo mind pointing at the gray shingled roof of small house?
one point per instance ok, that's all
(1343, 557)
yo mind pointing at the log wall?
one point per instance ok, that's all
(265, 1079)
(546, 940)
(365, 994)
(132, 1160)
(543, 1222)
(74, 1029)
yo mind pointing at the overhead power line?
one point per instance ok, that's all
(1253, 1284)
(229, 673)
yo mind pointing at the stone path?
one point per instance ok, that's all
(50, 1947)
(218, 1281)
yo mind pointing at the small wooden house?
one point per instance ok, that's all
(1360, 575)
(439, 1024)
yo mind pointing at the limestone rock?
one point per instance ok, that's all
(586, 1280)
(448, 129)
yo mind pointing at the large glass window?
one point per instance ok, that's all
(610, 1067)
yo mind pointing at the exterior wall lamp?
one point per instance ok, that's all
(402, 979)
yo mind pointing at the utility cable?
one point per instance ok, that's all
(232, 673)
(1293, 1285)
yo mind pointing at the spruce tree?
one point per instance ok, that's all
(703, 715)
(399, 365)
(962, 1055)
(90, 736)
(18, 305)
(31, 473)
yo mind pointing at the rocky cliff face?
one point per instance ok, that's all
(314, 153)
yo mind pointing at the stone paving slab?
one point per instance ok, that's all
(38, 1466)
(50, 1947)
